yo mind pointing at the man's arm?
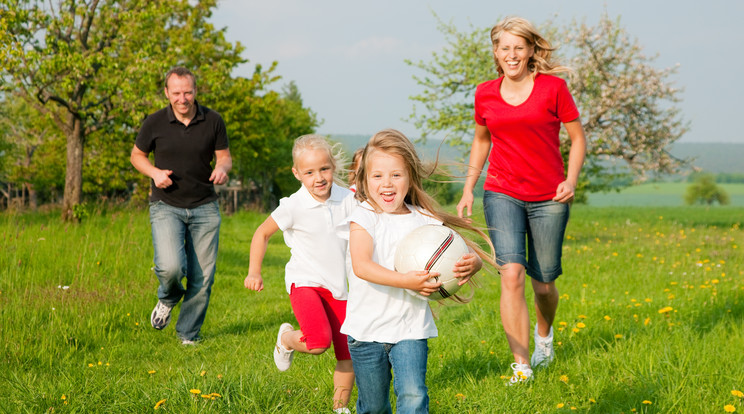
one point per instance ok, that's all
(142, 164)
(221, 167)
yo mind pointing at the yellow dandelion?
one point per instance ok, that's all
(647, 321)
(136, 323)
(614, 254)
(632, 410)
(737, 393)
(582, 316)
(666, 309)
(214, 394)
(206, 396)
(64, 397)
(562, 323)
(581, 325)
(647, 402)
(152, 371)
(504, 377)
(647, 300)
(195, 391)
(560, 405)
(592, 400)
(564, 378)
(607, 318)
(219, 376)
(618, 336)
(91, 365)
(573, 408)
(575, 330)
(460, 396)
(729, 408)
(159, 403)
(100, 363)
(203, 373)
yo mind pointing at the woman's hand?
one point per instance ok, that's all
(465, 205)
(565, 192)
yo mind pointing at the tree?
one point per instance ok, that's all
(96, 66)
(627, 105)
(705, 191)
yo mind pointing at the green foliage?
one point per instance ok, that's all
(705, 191)
(96, 68)
(262, 126)
(627, 106)
(76, 301)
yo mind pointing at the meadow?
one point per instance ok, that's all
(651, 320)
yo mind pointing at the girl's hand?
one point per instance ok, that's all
(419, 281)
(468, 265)
(253, 282)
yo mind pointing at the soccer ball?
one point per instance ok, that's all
(435, 248)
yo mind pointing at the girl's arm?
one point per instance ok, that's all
(361, 247)
(259, 243)
(478, 155)
(565, 191)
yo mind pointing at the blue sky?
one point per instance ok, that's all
(347, 57)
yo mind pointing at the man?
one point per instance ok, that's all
(184, 213)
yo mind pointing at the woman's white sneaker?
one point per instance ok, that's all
(543, 354)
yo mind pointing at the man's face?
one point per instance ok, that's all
(181, 92)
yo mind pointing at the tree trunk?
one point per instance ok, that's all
(74, 170)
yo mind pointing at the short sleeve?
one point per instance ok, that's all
(478, 116)
(282, 215)
(566, 107)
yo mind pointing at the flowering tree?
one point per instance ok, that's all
(627, 106)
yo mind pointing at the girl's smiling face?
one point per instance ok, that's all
(315, 170)
(388, 182)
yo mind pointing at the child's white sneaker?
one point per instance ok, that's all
(521, 373)
(543, 354)
(282, 355)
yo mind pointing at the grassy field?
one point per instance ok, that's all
(665, 194)
(651, 320)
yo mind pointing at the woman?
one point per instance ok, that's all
(527, 191)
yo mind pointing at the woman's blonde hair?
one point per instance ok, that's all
(318, 142)
(541, 58)
(393, 142)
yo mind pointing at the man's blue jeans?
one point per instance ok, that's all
(185, 243)
(372, 365)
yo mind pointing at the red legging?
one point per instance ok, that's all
(320, 316)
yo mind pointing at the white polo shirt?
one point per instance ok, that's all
(318, 254)
(380, 313)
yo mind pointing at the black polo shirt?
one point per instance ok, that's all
(187, 150)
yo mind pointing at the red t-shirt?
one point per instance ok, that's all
(525, 160)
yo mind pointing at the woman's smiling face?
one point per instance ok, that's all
(513, 54)
(388, 182)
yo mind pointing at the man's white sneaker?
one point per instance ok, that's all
(283, 356)
(161, 315)
(543, 354)
(521, 373)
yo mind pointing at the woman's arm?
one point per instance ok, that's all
(478, 155)
(565, 191)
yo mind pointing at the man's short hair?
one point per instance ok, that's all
(181, 72)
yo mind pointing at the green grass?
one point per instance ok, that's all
(667, 194)
(92, 342)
